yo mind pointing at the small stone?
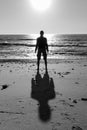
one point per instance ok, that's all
(69, 98)
(85, 65)
(84, 99)
(72, 68)
(71, 105)
(75, 101)
(10, 70)
(54, 72)
(4, 87)
(76, 83)
(76, 128)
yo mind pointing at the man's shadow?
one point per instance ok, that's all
(43, 90)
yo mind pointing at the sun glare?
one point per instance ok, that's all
(41, 5)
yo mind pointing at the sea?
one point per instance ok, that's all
(61, 46)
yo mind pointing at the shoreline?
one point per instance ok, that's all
(49, 60)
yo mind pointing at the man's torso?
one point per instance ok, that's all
(41, 42)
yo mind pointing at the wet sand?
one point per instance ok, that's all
(56, 100)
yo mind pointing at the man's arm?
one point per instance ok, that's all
(47, 46)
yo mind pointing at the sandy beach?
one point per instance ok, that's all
(53, 100)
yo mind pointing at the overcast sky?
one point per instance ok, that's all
(64, 16)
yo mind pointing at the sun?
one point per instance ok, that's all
(41, 5)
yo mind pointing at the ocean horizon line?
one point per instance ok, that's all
(45, 34)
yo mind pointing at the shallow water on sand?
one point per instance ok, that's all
(60, 46)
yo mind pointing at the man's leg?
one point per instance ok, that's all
(45, 63)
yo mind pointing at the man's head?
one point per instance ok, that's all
(41, 32)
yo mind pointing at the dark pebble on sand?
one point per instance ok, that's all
(72, 68)
(66, 73)
(22, 107)
(75, 101)
(76, 83)
(71, 105)
(69, 98)
(4, 87)
(85, 65)
(20, 101)
(76, 128)
(84, 99)
(59, 73)
(54, 72)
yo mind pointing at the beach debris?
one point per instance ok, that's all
(69, 98)
(8, 112)
(67, 116)
(76, 128)
(4, 86)
(76, 83)
(33, 64)
(14, 82)
(85, 65)
(72, 68)
(20, 101)
(63, 73)
(10, 70)
(84, 99)
(71, 105)
(54, 72)
(60, 74)
(74, 101)
(66, 103)
(66, 73)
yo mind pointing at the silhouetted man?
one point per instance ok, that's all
(42, 48)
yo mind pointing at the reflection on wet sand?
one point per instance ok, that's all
(43, 91)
